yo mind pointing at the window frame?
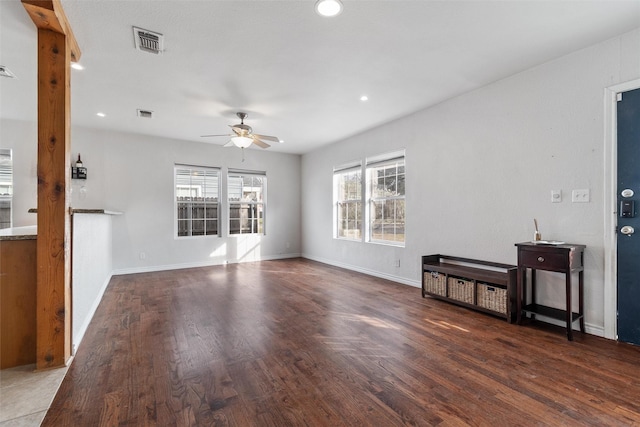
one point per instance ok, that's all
(372, 166)
(259, 206)
(6, 183)
(338, 202)
(206, 203)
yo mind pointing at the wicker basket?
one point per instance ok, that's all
(492, 298)
(435, 283)
(461, 289)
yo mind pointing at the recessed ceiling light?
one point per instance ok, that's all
(100, 114)
(328, 7)
(364, 98)
(281, 141)
(77, 66)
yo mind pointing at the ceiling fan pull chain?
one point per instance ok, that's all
(242, 148)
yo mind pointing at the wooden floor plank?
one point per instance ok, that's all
(296, 342)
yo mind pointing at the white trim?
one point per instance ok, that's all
(167, 267)
(589, 328)
(610, 201)
(391, 277)
(92, 311)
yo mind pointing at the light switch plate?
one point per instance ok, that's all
(580, 196)
(556, 196)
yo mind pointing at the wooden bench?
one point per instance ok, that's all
(485, 286)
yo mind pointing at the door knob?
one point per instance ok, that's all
(627, 230)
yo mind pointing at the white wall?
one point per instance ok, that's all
(22, 138)
(481, 166)
(92, 268)
(134, 174)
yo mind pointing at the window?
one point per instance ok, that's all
(247, 202)
(6, 187)
(197, 191)
(386, 203)
(347, 184)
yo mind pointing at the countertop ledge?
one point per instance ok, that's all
(86, 211)
(29, 232)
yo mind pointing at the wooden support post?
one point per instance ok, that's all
(54, 314)
(56, 47)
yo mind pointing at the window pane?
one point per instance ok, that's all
(197, 191)
(197, 228)
(247, 217)
(348, 191)
(400, 191)
(386, 183)
(211, 211)
(212, 227)
(183, 228)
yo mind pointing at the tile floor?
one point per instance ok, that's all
(25, 395)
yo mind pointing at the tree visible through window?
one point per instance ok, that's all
(197, 191)
(246, 194)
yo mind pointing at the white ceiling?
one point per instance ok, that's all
(298, 75)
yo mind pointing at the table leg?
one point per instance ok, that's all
(581, 299)
(520, 292)
(569, 309)
(533, 290)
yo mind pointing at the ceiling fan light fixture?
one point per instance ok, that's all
(242, 141)
(328, 7)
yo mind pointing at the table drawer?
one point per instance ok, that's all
(543, 260)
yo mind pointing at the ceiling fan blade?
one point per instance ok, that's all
(259, 143)
(207, 136)
(229, 144)
(237, 130)
(267, 137)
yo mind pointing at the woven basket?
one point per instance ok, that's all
(435, 283)
(492, 298)
(461, 289)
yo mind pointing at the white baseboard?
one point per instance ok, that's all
(589, 328)
(149, 269)
(391, 277)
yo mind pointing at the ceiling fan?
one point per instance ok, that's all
(243, 136)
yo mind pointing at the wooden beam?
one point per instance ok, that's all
(53, 254)
(49, 15)
(55, 46)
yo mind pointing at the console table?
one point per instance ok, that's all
(561, 258)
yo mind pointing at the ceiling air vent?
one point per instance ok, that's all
(148, 41)
(147, 114)
(5, 72)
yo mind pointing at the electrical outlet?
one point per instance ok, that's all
(556, 196)
(580, 196)
(397, 263)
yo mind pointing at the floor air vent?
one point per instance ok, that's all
(148, 41)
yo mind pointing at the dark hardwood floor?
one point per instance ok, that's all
(295, 342)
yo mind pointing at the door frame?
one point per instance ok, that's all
(611, 205)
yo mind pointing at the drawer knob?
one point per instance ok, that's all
(540, 259)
